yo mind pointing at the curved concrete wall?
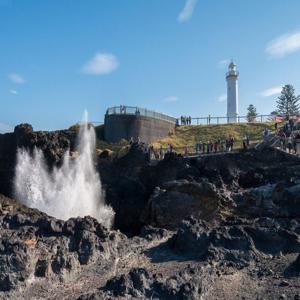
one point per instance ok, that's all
(118, 126)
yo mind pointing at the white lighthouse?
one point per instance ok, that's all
(232, 77)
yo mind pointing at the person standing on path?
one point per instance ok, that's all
(231, 143)
(290, 143)
(248, 141)
(245, 142)
(297, 140)
(265, 133)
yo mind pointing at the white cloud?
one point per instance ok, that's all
(14, 92)
(223, 63)
(222, 98)
(16, 78)
(275, 90)
(171, 99)
(284, 45)
(187, 11)
(5, 128)
(100, 64)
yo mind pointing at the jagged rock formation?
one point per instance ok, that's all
(36, 249)
(237, 240)
(200, 200)
(54, 144)
(219, 227)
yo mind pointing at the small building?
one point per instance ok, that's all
(126, 122)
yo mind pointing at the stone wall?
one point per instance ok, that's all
(117, 127)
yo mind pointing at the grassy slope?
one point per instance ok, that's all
(190, 135)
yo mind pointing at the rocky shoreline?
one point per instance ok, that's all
(219, 227)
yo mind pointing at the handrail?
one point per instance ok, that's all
(210, 120)
(232, 73)
(138, 111)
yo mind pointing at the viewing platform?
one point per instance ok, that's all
(138, 111)
(132, 122)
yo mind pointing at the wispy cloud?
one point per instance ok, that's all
(16, 78)
(223, 63)
(14, 92)
(5, 128)
(222, 98)
(275, 90)
(100, 64)
(171, 99)
(187, 11)
(284, 45)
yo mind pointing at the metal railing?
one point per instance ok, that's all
(191, 151)
(209, 120)
(232, 73)
(138, 111)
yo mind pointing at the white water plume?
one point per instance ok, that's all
(71, 190)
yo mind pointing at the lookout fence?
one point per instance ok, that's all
(138, 111)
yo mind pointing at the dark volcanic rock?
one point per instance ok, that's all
(239, 242)
(164, 193)
(244, 229)
(131, 180)
(178, 200)
(152, 233)
(136, 283)
(295, 266)
(53, 144)
(252, 178)
(198, 239)
(35, 245)
(124, 190)
(139, 284)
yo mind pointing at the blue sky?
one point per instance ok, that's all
(59, 57)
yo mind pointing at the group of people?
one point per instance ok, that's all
(288, 128)
(148, 149)
(289, 140)
(122, 109)
(288, 134)
(220, 145)
(134, 140)
(186, 120)
(216, 146)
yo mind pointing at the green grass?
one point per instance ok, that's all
(190, 135)
(184, 136)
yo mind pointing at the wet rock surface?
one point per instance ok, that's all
(218, 227)
(54, 144)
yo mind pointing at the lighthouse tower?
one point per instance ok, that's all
(232, 77)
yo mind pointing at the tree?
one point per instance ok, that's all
(288, 102)
(252, 114)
